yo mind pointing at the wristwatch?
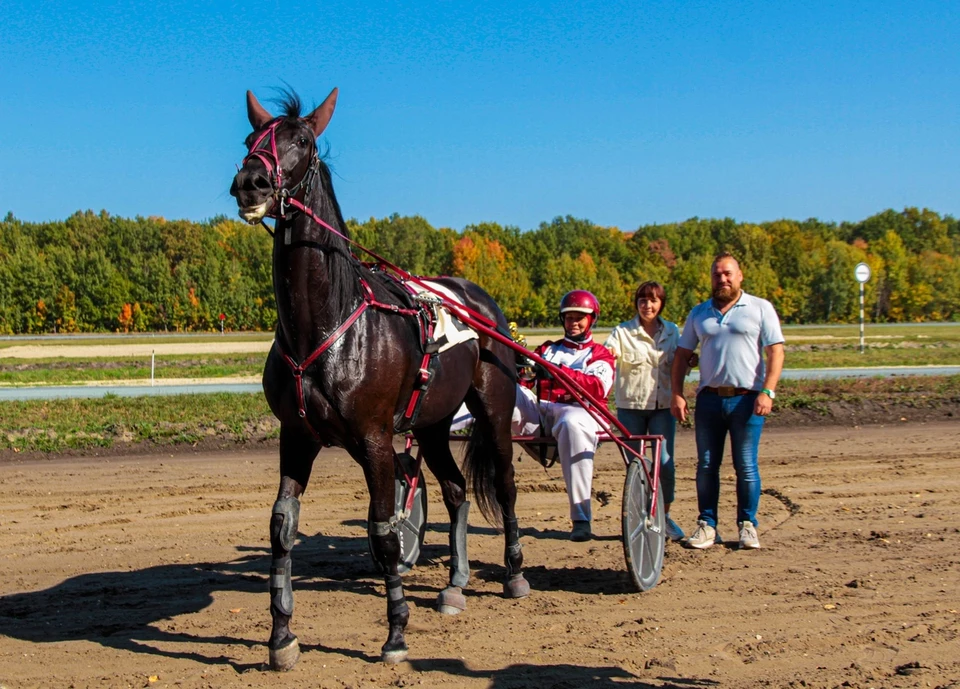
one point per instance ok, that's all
(769, 393)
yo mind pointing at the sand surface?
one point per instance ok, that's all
(150, 570)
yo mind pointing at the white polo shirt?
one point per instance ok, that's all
(731, 344)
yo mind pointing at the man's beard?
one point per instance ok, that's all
(725, 295)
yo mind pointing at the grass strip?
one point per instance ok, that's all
(78, 424)
(850, 356)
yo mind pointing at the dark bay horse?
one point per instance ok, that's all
(340, 373)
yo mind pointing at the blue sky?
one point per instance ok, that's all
(625, 113)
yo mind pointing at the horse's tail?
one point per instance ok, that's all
(479, 465)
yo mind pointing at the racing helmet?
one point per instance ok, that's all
(583, 301)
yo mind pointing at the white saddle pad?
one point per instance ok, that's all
(448, 331)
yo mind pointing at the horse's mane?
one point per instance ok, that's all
(289, 101)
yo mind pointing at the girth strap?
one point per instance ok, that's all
(424, 374)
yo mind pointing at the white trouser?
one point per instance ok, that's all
(576, 435)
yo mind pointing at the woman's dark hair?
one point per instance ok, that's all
(650, 289)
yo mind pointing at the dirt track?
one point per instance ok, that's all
(122, 569)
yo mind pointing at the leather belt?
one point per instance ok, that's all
(728, 390)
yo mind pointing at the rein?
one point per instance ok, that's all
(596, 408)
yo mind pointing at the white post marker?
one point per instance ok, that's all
(153, 363)
(862, 275)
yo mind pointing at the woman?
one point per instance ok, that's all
(644, 349)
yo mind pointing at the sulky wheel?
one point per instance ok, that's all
(643, 536)
(410, 528)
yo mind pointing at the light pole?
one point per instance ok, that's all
(862, 275)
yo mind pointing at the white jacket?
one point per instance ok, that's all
(643, 365)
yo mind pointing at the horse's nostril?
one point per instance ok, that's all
(262, 183)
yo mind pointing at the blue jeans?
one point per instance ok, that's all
(655, 422)
(714, 417)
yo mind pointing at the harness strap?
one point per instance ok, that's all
(424, 376)
(298, 369)
(394, 308)
(369, 301)
(419, 386)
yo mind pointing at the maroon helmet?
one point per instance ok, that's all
(583, 301)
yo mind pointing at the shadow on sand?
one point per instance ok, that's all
(558, 676)
(121, 610)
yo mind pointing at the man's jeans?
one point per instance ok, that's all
(714, 417)
(655, 422)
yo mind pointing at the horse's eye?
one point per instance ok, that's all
(302, 142)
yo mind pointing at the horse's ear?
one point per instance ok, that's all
(256, 113)
(320, 117)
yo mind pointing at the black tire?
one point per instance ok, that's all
(411, 529)
(644, 538)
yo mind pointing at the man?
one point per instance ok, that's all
(736, 392)
(590, 365)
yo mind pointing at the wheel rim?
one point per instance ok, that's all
(410, 529)
(643, 535)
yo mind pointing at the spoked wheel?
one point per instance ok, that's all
(644, 535)
(410, 527)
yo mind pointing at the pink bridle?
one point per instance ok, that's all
(268, 155)
(269, 158)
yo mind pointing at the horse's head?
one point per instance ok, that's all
(282, 158)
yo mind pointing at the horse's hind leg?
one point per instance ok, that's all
(297, 453)
(492, 406)
(435, 444)
(514, 585)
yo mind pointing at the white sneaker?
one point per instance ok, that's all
(748, 536)
(674, 532)
(704, 537)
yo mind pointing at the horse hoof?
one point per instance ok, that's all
(393, 657)
(451, 601)
(285, 657)
(516, 587)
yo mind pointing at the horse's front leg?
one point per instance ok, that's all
(296, 461)
(380, 474)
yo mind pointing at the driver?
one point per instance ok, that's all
(591, 366)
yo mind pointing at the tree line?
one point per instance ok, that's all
(94, 272)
